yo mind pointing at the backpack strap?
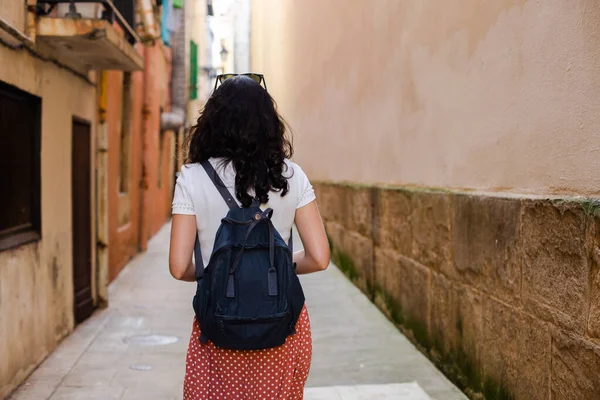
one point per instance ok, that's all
(225, 194)
(198, 262)
(231, 203)
(216, 180)
(229, 200)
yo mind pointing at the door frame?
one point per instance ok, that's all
(91, 212)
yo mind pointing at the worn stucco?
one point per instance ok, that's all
(135, 216)
(156, 198)
(36, 284)
(495, 96)
(123, 208)
(14, 13)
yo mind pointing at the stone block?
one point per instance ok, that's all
(557, 317)
(415, 291)
(430, 226)
(575, 367)
(360, 210)
(388, 275)
(444, 314)
(556, 272)
(335, 233)
(516, 353)
(332, 201)
(457, 329)
(485, 244)
(594, 247)
(404, 289)
(391, 219)
(359, 249)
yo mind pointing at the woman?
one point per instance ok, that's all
(241, 134)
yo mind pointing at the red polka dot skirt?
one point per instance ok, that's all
(272, 374)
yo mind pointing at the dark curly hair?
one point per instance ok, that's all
(240, 124)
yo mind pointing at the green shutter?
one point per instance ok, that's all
(193, 70)
(177, 3)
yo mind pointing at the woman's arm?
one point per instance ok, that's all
(183, 236)
(315, 256)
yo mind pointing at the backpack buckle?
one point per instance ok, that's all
(257, 217)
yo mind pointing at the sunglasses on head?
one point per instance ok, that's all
(258, 78)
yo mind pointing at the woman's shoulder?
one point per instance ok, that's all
(188, 174)
(293, 171)
(300, 185)
(189, 170)
(194, 173)
(190, 167)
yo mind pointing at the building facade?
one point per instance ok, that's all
(88, 131)
(141, 154)
(454, 147)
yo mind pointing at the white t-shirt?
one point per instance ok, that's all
(195, 194)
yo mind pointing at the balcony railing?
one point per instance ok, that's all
(110, 13)
(90, 37)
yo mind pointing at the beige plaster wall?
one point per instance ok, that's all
(14, 12)
(36, 284)
(196, 30)
(492, 96)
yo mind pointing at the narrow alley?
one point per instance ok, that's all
(452, 148)
(135, 349)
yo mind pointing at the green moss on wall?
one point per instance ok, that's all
(344, 263)
(591, 207)
(455, 364)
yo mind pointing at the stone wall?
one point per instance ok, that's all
(502, 293)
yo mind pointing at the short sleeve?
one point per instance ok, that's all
(306, 193)
(182, 199)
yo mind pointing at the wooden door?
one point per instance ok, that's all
(82, 220)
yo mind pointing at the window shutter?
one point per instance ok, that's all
(193, 70)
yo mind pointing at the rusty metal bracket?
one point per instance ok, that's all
(96, 34)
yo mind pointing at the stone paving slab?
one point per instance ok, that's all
(354, 344)
(393, 391)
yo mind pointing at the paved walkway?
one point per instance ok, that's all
(117, 354)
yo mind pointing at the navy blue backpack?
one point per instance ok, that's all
(249, 296)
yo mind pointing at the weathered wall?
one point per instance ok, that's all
(503, 293)
(15, 13)
(494, 96)
(36, 284)
(124, 209)
(160, 148)
(136, 216)
(496, 103)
